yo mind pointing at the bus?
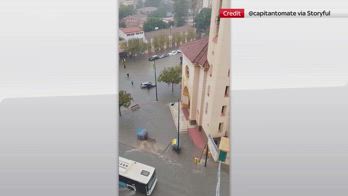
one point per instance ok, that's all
(136, 176)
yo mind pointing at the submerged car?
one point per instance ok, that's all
(163, 56)
(147, 85)
(154, 57)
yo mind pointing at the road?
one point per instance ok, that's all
(141, 70)
(177, 175)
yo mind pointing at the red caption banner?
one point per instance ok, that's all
(231, 13)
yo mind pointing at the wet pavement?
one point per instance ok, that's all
(141, 70)
(177, 174)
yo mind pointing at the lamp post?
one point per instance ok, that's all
(177, 147)
(154, 67)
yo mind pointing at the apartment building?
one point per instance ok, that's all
(206, 77)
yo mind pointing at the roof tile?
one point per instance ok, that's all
(196, 51)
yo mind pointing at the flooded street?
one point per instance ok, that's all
(177, 174)
(141, 70)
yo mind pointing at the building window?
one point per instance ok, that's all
(187, 71)
(221, 126)
(228, 73)
(206, 108)
(208, 90)
(211, 71)
(223, 110)
(227, 91)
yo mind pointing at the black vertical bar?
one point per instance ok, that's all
(206, 156)
(154, 66)
(178, 122)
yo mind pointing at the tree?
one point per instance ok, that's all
(125, 11)
(151, 23)
(195, 5)
(162, 41)
(125, 99)
(171, 76)
(180, 12)
(184, 37)
(161, 12)
(152, 3)
(167, 42)
(122, 24)
(175, 39)
(178, 38)
(202, 20)
(134, 47)
(140, 4)
(149, 47)
(191, 35)
(142, 46)
(156, 43)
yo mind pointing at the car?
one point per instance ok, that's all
(154, 57)
(172, 53)
(178, 51)
(147, 85)
(163, 56)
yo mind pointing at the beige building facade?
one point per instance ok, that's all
(206, 77)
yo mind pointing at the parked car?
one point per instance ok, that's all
(154, 57)
(172, 53)
(163, 56)
(147, 85)
(178, 51)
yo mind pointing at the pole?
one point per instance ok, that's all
(154, 66)
(178, 123)
(206, 156)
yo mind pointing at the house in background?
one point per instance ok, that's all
(134, 20)
(131, 33)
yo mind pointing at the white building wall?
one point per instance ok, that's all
(127, 37)
(201, 96)
(219, 59)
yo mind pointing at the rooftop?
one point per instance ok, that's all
(196, 51)
(131, 29)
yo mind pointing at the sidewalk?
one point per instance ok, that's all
(184, 124)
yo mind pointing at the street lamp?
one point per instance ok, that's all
(154, 67)
(177, 147)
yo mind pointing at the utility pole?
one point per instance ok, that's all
(177, 147)
(178, 124)
(154, 67)
(206, 156)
